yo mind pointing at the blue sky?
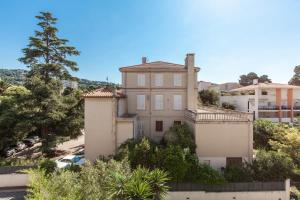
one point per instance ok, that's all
(229, 37)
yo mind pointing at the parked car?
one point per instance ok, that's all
(70, 160)
(29, 142)
(8, 152)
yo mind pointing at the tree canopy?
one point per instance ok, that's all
(209, 97)
(247, 79)
(16, 115)
(295, 80)
(47, 57)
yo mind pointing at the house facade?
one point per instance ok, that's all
(153, 97)
(271, 101)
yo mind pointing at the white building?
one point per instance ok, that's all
(70, 84)
(273, 101)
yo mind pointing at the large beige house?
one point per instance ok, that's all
(154, 96)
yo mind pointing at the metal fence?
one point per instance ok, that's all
(229, 187)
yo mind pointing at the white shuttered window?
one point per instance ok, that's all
(141, 102)
(159, 81)
(159, 102)
(177, 100)
(141, 80)
(177, 79)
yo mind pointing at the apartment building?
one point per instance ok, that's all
(154, 96)
(157, 93)
(272, 101)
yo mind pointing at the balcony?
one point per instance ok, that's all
(218, 115)
(275, 107)
(268, 107)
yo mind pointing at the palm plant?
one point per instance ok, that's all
(157, 180)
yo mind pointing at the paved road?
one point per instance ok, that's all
(12, 194)
(72, 146)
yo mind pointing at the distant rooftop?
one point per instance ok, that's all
(105, 93)
(265, 86)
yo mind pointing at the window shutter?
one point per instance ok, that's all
(141, 102)
(159, 126)
(159, 102)
(177, 102)
(177, 78)
(159, 80)
(141, 79)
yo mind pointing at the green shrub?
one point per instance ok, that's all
(272, 166)
(263, 131)
(48, 166)
(180, 135)
(207, 175)
(175, 162)
(209, 97)
(102, 180)
(228, 106)
(238, 174)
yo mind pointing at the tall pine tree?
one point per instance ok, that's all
(47, 58)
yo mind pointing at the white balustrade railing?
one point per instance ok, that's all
(219, 116)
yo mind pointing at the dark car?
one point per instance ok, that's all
(29, 142)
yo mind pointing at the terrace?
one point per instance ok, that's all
(208, 114)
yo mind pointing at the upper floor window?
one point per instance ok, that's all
(159, 80)
(159, 102)
(141, 102)
(177, 102)
(177, 79)
(141, 80)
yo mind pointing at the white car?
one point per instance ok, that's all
(70, 160)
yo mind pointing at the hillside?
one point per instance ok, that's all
(17, 77)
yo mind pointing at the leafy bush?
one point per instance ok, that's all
(228, 106)
(238, 174)
(180, 135)
(48, 166)
(272, 166)
(207, 175)
(263, 131)
(175, 163)
(104, 180)
(209, 97)
(287, 139)
(142, 152)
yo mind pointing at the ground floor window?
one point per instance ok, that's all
(159, 126)
(177, 122)
(234, 161)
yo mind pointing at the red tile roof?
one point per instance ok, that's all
(105, 93)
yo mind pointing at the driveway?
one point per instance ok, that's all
(13, 194)
(72, 146)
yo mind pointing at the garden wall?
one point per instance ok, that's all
(239, 191)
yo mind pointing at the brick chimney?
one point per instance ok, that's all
(191, 85)
(144, 60)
